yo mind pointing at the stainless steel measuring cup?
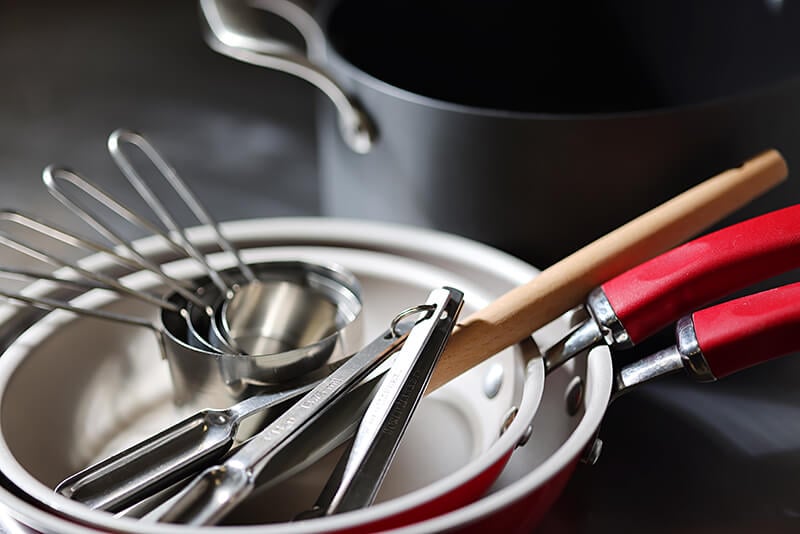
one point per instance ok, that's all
(203, 371)
(224, 375)
(210, 378)
(249, 304)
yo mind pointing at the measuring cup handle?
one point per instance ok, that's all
(232, 31)
(154, 464)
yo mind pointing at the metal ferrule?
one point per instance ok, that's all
(601, 326)
(611, 327)
(694, 361)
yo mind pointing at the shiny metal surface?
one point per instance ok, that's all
(101, 392)
(582, 338)
(362, 469)
(733, 446)
(600, 325)
(167, 457)
(219, 489)
(684, 355)
(298, 326)
(436, 135)
(293, 315)
(230, 31)
(663, 362)
(121, 137)
(292, 320)
(54, 179)
(602, 311)
(215, 377)
(279, 316)
(689, 349)
(206, 376)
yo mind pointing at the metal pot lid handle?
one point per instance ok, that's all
(231, 31)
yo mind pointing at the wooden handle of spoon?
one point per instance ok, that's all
(564, 285)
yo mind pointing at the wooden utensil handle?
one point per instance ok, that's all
(564, 285)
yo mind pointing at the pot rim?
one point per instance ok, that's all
(370, 81)
(411, 239)
(332, 55)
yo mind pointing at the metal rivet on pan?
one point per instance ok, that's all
(574, 396)
(525, 437)
(508, 419)
(592, 453)
(493, 381)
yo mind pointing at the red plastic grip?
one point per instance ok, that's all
(750, 330)
(658, 292)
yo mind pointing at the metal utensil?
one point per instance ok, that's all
(208, 377)
(194, 360)
(293, 350)
(148, 467)
(125, 478)
(361, 470)
(219, 489)
(249, 324)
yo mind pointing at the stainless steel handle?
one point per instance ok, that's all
(184, 448)
(231, 31)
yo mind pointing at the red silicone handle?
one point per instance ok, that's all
(658, 292)
(750, 330)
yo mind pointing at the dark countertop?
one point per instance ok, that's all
(72, 74)
(678, 456)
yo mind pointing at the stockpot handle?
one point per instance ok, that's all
(230, 30)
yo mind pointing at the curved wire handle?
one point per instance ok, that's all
(107, 282)
(52, 176)
(229, 30)
(115, 142)
(57, 233)
(53, 304)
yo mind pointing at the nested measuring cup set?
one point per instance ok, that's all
(277, 336)
(247, 325)
(280, 339)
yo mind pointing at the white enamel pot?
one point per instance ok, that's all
(452, 453)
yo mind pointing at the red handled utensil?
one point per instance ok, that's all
(636, 304)
(718, 341)
(564, 285)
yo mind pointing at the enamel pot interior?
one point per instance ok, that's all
(111, 389)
